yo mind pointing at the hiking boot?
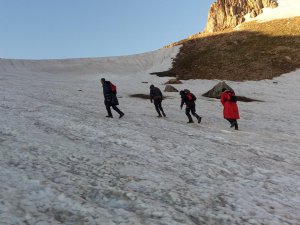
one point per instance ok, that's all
(108, 116)
(121, 115)
(159, 116)
(191, 121)
(236, 127)
(164, 114)
(232, 124)
(199, 119)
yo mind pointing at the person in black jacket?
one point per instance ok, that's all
(110, 99)
(157, 97)
(189, 99)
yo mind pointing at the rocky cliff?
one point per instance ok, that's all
(230, 13)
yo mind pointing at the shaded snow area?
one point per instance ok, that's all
(63, 162)
(285, 9)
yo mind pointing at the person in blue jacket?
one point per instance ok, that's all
(110, 98)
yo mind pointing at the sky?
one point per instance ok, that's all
(49, 29)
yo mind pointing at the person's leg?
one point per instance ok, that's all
(236, 126)
(157, 109)
(156, 104)
(161, 109)
(107, 105)
(193, 109)
(118, 111)
(187, 112)
(231, 122)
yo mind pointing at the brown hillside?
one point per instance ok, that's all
(256, 51)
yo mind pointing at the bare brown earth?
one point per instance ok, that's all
(255, 51)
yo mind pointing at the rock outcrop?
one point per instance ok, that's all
(170, 88)
(216, 91)
(230, 13)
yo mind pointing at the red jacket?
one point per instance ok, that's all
(230, 110)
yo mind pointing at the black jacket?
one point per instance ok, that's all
(106, 88)
(188, 99)
(109, 97)
(155, 93)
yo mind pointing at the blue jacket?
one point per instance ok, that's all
(106, 89)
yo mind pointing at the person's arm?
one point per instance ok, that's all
(151, 96)
(182, 102)
(224, 97)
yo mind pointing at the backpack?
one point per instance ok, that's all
(113, 88)
(233, 98)
(191, 97)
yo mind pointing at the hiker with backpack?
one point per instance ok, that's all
(189, 99)
(157, 97)
(110, 98)
(230, 110)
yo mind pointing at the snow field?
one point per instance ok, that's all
(63, 162)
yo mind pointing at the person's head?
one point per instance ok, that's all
(151, 86)
(181, 92)
(186, 91)
(224, 89)
(102, 80)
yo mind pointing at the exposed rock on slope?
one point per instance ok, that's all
(170, 88)
(216, 91)
(230, 13)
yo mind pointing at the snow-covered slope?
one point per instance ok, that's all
(285, 9)
(120, 64)
(63, 162)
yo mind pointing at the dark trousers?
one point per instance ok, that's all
(158, 107)
(191, 109)
(108, 105)
(233, 123)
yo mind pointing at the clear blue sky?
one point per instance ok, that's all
(47, 29)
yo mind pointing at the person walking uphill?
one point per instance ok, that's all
(110, 98)
(230, 111)
(189, 99)
(157, 97)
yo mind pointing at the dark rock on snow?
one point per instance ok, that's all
(216, 91)
(170, 88)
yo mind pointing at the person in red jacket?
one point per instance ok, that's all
(230, 111)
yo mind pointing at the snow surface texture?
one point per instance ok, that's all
(285, 9)
(63, 162)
